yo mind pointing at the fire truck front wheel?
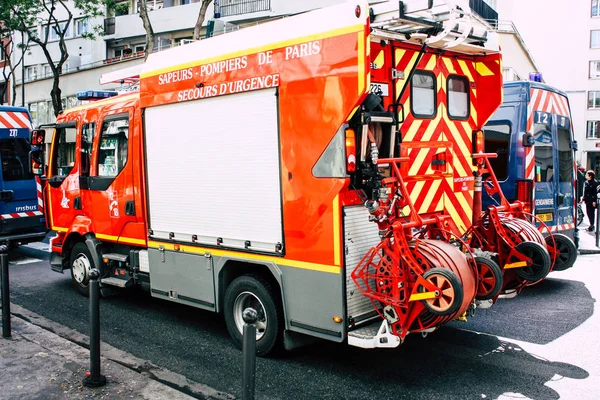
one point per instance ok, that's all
(81, 264)
(254, 291)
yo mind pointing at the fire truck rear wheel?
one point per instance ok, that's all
(81, 264)
(253, 291)
(567, 249)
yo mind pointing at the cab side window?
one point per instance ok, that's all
(87, 141)
(64, 151)
(114, 145)
(458, 97)
(423, 98)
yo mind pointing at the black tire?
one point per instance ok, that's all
(567, 249)
(252, 290)
(580, 215)
(79, 278)
(490, 278)
(541, 262)
(451, 279)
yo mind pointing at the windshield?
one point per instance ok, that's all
(15, 159)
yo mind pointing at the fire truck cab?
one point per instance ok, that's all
(230, 179)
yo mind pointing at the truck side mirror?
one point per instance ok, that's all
(37, 137)
(528, 140)
(36, 162)
(574, 145)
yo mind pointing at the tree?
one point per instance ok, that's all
(147, 27)
(7, 49)
(200, 21)
(55, 18)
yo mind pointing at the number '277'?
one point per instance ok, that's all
(13, 132)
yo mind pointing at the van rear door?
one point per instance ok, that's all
(18, 190)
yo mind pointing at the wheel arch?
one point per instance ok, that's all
(229, 269)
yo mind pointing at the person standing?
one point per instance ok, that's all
(590, 190)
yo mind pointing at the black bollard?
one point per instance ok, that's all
(249, 353)
(598, 219)
(94, 378)
(6, 329)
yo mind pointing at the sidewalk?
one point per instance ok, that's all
(37, 363)
(587, 241)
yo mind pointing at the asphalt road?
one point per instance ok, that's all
(541, 345)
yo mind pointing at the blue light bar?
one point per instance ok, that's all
(535, 76)
(95, 94)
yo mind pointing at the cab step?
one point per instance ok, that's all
(122, 283)
(116, 257)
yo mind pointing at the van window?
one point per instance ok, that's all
(14, 154)
(458, 97)
(497, 140)
(64, 151)
(114, 139)
(422, 98)
(565, 156)
(87, 141)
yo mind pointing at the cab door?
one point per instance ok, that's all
(63, 177)
(108, 196)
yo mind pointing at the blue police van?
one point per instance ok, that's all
(21, 204)
(532, 135)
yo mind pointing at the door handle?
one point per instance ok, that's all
(130, 208)
(77, 203)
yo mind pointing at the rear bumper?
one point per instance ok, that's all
(23, 237)
(23, 229)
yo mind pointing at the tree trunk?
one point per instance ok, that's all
(147, 27)
(200, 21)
(55, 95)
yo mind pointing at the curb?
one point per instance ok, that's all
(589, 251)
(33, 252)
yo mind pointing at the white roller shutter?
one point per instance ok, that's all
(213, 171)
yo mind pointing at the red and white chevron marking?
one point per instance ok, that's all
(545, 101)
(11, 119)
(20, 215)
(40, 196)
(558, 228)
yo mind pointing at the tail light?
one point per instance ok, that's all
(350, 150)
(478, 140)
(525, 194)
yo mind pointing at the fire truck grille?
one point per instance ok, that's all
(360, 235)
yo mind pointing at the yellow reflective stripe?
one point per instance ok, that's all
(121, 239)
(483, 69)
(517, 264)
(259, 49)
(380, 60)
(59, 229)
(361, 63)
(422, 296)
(449, 65)
(336, 231)
(248, 256)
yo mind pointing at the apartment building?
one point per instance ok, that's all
(123, 41)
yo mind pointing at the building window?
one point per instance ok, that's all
(119, 52)
(47, 71)
(422, 99)
(81, 27)
(55, 30)
(595, 39)
(31, 73)
(593, 99)
(595, 8)
(594, 69)
(592, 130)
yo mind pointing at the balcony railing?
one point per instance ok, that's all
(484, 10)
(227, 8)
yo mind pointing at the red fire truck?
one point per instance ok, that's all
(233, 177)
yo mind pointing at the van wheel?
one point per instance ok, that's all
(81, 264)
(253, 291)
